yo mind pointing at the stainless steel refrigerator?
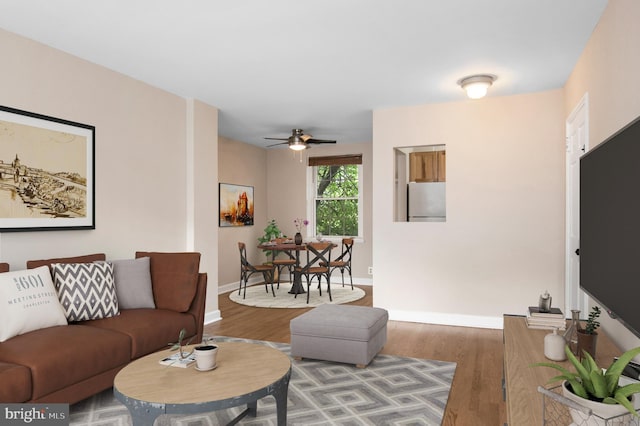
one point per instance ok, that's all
(426, 202)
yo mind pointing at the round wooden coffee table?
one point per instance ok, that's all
(245, 373)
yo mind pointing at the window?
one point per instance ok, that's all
(335, 201)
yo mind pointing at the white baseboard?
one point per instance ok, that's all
(211, 317)
(447, 319)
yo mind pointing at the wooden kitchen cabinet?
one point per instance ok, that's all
(430, 166)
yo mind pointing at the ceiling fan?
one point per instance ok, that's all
(298, 140)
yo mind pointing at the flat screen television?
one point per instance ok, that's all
(610, 225)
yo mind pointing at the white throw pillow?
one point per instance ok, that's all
(133, 283)
(86, 290)
(28, 301)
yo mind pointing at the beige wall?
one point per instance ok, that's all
(608, 71)
(142, 184)
(202, 194)
(242, 164)
(503, 241)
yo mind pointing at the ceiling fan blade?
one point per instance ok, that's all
(276, 144)
(278, 139)
(320, 141)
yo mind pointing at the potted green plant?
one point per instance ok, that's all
(271, 231)
(596, 388)
(588, 337)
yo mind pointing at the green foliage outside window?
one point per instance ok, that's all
(337, 200)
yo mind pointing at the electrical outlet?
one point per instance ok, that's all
(370, 270)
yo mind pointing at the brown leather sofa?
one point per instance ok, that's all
(67, 364)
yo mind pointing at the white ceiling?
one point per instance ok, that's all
(320, 65)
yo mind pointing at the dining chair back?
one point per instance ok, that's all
(247, 269)
(343, 262)
(318, 259)
(281, 264)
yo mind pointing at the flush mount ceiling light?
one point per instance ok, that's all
(476, 85)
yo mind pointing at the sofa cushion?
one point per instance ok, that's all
(87, 258)
(15, 383)
(28, 301)
(133, 283)
(61, 356)
(86, 290)
(174, 277)
(4, 267)
(149, 329)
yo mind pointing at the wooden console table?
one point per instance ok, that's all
(522, 347)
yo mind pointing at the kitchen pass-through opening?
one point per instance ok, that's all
(420, 183)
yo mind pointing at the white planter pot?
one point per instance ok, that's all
(603, 414)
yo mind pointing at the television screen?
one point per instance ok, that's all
(610, 225)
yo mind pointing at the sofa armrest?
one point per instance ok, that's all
(199, 304)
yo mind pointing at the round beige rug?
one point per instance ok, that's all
(258, 297)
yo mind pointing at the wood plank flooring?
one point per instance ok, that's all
(476, 393)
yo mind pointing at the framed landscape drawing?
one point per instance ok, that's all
(47, 176)
(236, 205)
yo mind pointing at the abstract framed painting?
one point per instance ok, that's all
(47, 173)
(236, 205)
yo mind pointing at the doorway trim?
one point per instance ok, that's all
(577, 125)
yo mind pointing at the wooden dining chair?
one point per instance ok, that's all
(247, 269)
(343, 262)
(317, 253)
(281, 264)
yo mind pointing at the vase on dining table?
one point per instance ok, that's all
(298, 238)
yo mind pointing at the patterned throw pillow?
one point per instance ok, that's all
(86, 290)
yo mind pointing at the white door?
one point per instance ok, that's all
(577, 133)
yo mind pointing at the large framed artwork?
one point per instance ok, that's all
(236, 205)
(47, 176)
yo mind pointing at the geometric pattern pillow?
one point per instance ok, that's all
(85, 290)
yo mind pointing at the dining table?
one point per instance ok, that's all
(289, 247)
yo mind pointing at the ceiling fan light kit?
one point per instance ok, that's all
(299, 141)
(476, 86)
(297, 145)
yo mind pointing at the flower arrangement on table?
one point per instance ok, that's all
(300, 224)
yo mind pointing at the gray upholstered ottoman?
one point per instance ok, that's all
(342, 333)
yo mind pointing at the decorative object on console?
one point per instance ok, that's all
(57, 177)
(86, 290)
(544, 304)
(571, 335)
(591, 383)
(553, 319)
(29, 302)
(588, 337)
(554, 346)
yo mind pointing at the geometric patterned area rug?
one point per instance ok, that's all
(258, 297)
(391, 390)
